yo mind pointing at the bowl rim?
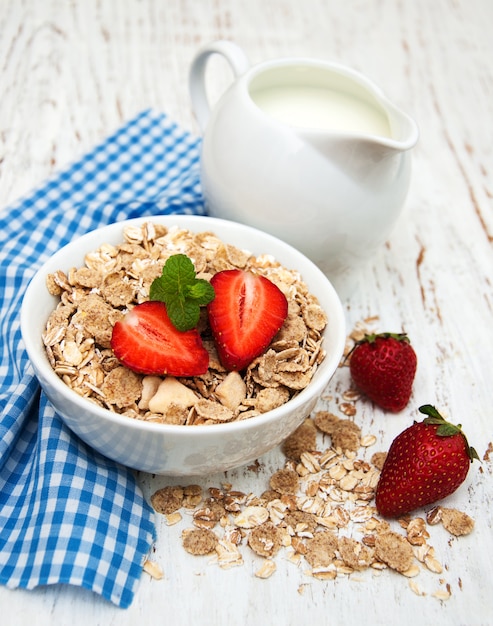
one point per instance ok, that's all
(39, 360)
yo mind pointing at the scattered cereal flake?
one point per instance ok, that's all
(174, 414)
(314, 505)
(310, 461)
(321, 548)
(417, 533)
(442, 594)
(488, 451)
(233, 500)
(199, 541)
(208, 516)
(420, 551)
(228, 554)
(311, 488)
(299, 521)
(456, 522)
(277, 510)
(348, 408)
(346, 435)
(355, 554)
(351, 395)
(285, 481)
(341, 516)
(173, 518)
(167, 499)
(378, 459)
(368, 440)
(304, 439)
(266, 570)
(117, 291)
(265, 540)
(94, 316)
(252, 516)
(394, 550)
(348, 482)
(56, 283)
(365, 493)
(192, 496)
(412, 571)
(328, 458)
(432, 563)
(270, 398)
(434, 516)
(325, 421)
(153, 569)
(324, 572)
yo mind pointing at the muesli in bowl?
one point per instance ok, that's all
(115, 279)
(162, 421)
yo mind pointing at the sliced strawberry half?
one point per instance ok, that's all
(146, 341)
(245, 315)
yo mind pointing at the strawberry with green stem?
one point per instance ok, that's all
(427, 462)
(383, 367)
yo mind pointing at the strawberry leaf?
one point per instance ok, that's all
(446, 429)
(428, 409)
(181, 291)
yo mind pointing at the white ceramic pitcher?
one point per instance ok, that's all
(309, 151)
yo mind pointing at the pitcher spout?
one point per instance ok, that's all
(396, 132)
(360, 155)
(404, 132)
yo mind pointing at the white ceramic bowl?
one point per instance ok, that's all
(172, 449)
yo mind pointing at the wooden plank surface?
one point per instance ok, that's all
(73, 71)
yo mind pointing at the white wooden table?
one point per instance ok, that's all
(72, 72)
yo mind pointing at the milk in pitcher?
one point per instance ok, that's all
(321, 108)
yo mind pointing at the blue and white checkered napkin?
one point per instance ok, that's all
(67, 514)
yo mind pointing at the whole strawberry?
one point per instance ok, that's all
(425, 463)
(383, 367)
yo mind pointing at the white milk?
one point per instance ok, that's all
(321, 108)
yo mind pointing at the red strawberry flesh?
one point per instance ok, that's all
(146, 341)
(247, 312)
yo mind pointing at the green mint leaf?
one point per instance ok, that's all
(184, 315)
(157, 291)
(201, 291)
(181, 291)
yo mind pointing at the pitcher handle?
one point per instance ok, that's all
(236, 58)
